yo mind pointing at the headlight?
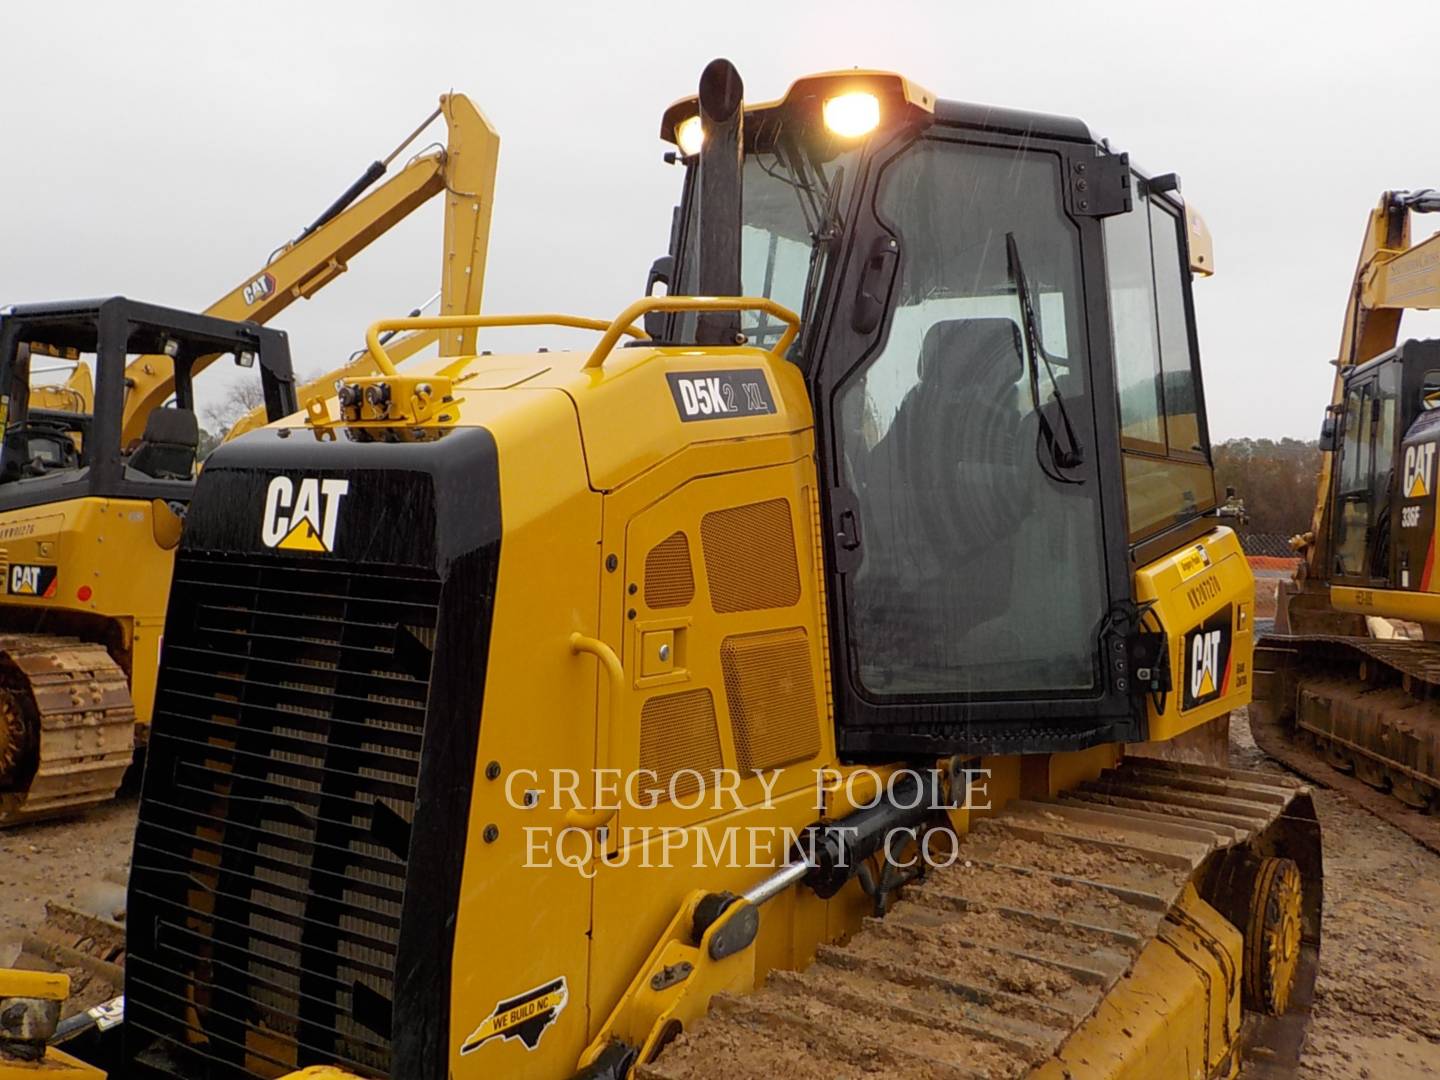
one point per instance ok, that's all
(689, 135)
(852, 114)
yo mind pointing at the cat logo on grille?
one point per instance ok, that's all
(525, 1017)
(302, 515)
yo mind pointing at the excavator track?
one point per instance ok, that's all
(67, 726)
(988, 966)
(1357, 714)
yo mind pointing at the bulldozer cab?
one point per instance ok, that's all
(55, 453)
(999, 341)
(1383, 435)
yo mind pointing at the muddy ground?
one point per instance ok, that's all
(1378, 1001)
(56, 861)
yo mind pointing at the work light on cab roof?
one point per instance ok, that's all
(852, 114)
(849, 105)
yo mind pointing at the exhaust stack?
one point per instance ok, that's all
(722, 99)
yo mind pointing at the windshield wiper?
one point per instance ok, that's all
(1071, 455)
(820, 243)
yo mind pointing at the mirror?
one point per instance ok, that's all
(1330, 430)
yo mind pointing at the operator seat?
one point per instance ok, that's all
(169, 447)
(946, 489)
(949, 471)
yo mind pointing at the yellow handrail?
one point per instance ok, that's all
(615, 676)
(638, 310)
(466, 322)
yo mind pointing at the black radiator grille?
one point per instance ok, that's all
(270, 853)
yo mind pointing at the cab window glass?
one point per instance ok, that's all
(1355, 472)
(1430, 391)
(1132, 313)
(1166, 459)
(1177, 362)
(1354, 512)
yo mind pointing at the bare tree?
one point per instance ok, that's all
(233, 402)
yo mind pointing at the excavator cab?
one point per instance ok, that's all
(1383, 436)
(52, 454)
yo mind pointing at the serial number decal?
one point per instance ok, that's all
(1203, 591)
(721, 395)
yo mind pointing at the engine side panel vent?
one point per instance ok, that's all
(679, 732)
(750, 557)
(770, 687)
(669, 577)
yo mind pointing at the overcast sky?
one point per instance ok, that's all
(162, 150)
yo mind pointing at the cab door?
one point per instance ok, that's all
(1364, 493)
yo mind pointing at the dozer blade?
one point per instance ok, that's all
(1017, 959)
(88, 947)
(67, 726)
(1357, 714)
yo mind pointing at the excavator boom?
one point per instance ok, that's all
(464, 169)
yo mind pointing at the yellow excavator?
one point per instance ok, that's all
(88, 527)
(751, 694)
(1352, 675)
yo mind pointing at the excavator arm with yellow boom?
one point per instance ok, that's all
(464, 169)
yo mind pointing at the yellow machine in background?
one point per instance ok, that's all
(87, 563)
(1340, 678)
(750, 697)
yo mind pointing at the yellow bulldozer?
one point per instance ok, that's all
(98, 470)
(750, 694)
(1351, 677)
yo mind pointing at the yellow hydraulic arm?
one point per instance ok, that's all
(1391, 277)
(464, 169)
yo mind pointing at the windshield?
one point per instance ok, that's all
(790, 215)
